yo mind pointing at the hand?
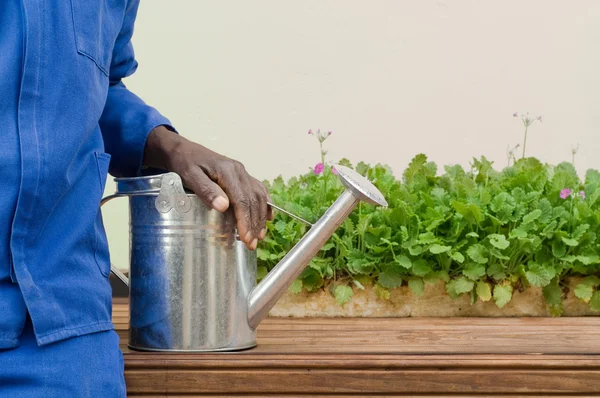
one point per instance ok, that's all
(217, 180)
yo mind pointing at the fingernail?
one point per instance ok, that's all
(254, 244)
(220, 203)
(262, 234)
(248, 236)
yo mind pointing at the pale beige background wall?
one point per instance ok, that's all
(389, 78)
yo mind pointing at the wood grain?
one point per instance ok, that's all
(383, 357)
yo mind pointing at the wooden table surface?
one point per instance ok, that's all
(382, 357)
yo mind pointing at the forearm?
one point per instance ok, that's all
(126, 124)
(161, 145)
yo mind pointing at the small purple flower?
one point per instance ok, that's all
(565, 193)
(582, 194)
(310, 132)
(539, 118)
(516, 114)
(329, 133)
(334, 171)
(319, 168)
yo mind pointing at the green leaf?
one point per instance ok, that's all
(296, 286)
(540, 275)
(463, 285)
(451, 289)
(588, 257)
(499, 241)
(311, 279)
(579, 231)
(570, 242)
(362, 168)
(546, 208)
(281, 226)
(470, 211)
(502, 294)
(343, 294)
(358, 263)
(592, 280)
(261, 272)
(427, 238)
(381, 292)
(584, 292)
(389, 280)
(415, 250)
(534, 215)
(404, 233)
(349, 226)
(458, 257)
(556, 310)
(497, 271)
(484, 291)
(474, 271)
(437, 249)
(327, 246)
(404, 261)
(558, 249)
(414, 169)
(421, 268)
(478, 253)
(552, 293)
(518, 233)
(595, 301)
(262, 254)
(472, 235)
(435, 277)
(416, 285)
(503, 205)
(549, 230)
(494, 252)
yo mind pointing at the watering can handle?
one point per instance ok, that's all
(113, 268)
(289, 214)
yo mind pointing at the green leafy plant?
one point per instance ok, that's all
(484, 233)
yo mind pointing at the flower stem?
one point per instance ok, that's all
(525, 141)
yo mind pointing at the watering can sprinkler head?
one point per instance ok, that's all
(360, 186)
(264, 296)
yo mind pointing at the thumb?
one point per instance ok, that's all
(207, 190)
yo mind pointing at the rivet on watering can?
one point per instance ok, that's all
(171, 182)
(163, 203)
(181, 203)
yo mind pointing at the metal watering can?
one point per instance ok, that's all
(192, 282)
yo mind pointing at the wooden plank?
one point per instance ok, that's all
(383, 357)
(364, 381)
(348, 361)
(350, 395)
(424, 335)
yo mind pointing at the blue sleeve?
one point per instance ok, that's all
(127, 120)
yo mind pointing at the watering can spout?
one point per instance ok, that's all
(264, 296)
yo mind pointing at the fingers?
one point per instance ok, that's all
(263, 208)
(207, 190)
(250, 206)
(270, 215)
(248, 197)
(229, 185)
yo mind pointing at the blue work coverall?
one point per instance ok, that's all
(66, 119)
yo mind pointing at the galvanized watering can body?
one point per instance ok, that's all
(192, 282)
